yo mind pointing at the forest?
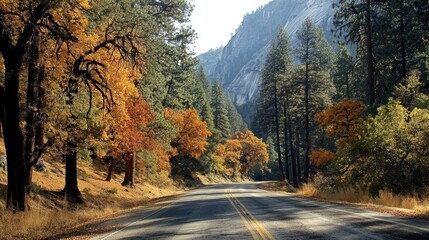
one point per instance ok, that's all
(113, 83)
(354, 115)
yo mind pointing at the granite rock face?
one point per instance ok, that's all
(238, 65)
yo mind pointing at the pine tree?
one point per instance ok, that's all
(354, 21)
(277, 65)
(220, 111)
(236, 121)
(316, 57)
(344, 75)
(202, 94)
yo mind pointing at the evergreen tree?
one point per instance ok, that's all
(202, 97)
(206, 85)
(316, 59)
(355, 21)
(389, 49)
(236, 121)
(278, 64)
(220, 111)
(344, 75)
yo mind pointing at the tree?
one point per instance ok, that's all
(313, 52)
(391, 49)
(18, 24)
(190, 141)
(278, 63)
(220, 112)
(203, 91)
(354, 20)
(234, 118)
(410, 93)
(229, 154)
(344, 74)
(253, 151)
(132, 133)
(342, 120)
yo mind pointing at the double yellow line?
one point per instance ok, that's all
(255, 228)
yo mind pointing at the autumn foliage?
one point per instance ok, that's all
(228, 155)
(341, 120)
(321, 156)
(241, 153)
(192, 133)
(131, 129)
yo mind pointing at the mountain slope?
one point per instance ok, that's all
(239, 64)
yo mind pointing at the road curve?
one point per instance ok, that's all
(242, 211)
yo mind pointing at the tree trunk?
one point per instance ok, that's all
(292, 153)
(348, 95)
(40, 105)
(307, 123)
(13, 136)
(130, 166)
(370, 55)
(286, 150)
(71, 189)
(31, 100)
(111, 167)
(298, 158)
(404, 71)
(279, 154)
(2, 122)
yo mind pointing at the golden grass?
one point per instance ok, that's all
(278, 186)
(385, 198)
(308, 190)
(42, 223)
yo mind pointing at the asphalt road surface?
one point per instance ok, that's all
(242, 211)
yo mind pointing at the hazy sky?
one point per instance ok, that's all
(216, 20)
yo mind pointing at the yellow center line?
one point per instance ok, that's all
(257, 222)
(252, 223)
(254, 235)
(247, 218)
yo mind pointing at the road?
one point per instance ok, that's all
(242, 211)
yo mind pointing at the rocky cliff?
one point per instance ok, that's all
(238, 64)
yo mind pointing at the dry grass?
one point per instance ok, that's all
(308, 190)
(414, 204)
(38, 224)
(218, 179)
(277, 186)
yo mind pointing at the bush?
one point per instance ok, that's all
(389, 153)
(83, 175)
(112, 190)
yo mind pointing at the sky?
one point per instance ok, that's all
(216, 20)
